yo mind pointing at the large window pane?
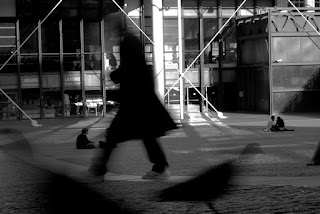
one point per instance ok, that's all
(51, 63)
(209, 3)
(169, 3)
(229, 3)
(92, 61)
(265, 3)
(7, 47)
(50, 37)
(171, 43)
(92, 41)
(71, 36)
(29, 63)
(91, 9)
(31, 45)
(191, 35)
(131, 27)
(230, 49)
(210, 28)
(52, 103)
(71, 62)
(31, 102)
(8, 110)
(112, 38)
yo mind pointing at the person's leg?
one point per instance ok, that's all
(315, 160)
(156, 155)
(98, 166)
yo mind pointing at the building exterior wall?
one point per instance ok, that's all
(295, 63)
(69, 58)
(287, 76)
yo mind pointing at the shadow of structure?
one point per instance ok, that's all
(302, 98)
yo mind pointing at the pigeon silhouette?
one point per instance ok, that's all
(206, 187)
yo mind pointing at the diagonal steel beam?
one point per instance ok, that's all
(30, 35)
(304, 17)
(182, 74)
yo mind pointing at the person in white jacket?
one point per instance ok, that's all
(271, 124)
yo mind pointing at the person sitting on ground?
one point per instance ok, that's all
(82, 140)
(280, 125)
(271, 125)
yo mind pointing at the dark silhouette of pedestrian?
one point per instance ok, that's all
(82, 140)
(280, 126)
(140, 116)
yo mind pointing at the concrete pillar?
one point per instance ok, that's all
(158, 59)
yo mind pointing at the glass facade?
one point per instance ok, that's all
(67, 61)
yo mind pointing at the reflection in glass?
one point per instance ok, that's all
(71, 36)
(210, 28)
(11, 66)
(230, 49)
(29, 63)
(71, 62)
(171, 43)
(190, 57)
(191, 39)
(92, 61)
(50, 37)
(7, 47)
(31, 45)
(191, 34)
(7, 109)
(31, 100)
(50, 63)
(52, 103)
(112, 40)
(92, 37)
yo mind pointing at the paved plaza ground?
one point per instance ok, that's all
(274, 179)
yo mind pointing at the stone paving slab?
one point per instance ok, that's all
(247, 194)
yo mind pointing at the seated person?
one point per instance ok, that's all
(270, 125)
(280, 125)
(82, 140)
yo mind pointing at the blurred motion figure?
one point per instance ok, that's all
(141, 115)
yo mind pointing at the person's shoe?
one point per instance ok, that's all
(152, 175)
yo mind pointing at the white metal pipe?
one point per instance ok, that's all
(182, 75)
(158, 57)
(180, 59)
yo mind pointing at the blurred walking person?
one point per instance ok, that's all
(140, 116)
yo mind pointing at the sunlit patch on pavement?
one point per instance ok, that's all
(199, 124)
(181, 151)
(266, 159)
(208, 149)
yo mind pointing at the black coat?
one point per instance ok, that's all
(140, 114)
